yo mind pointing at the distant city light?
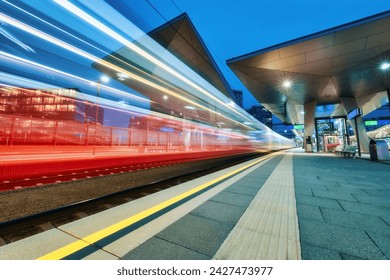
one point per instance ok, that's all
(287, 84)
(385, 65)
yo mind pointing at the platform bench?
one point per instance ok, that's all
(348, 151)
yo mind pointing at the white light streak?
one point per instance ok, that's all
(93, 83)
(88, 18)
(89, 56)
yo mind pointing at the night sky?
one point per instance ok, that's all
(231, 28)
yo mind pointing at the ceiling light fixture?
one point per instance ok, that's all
(287, 84)
(385, 66)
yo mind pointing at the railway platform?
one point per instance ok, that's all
(287, 205)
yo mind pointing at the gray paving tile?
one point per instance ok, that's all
(257, 180)
(233, 198)
(346, 190)
(331, 178)
(370, 180)
(361, 187)
(247, 184)
(332, 184)
(221, 212)
(376, 193)
(251, 179)
(318, 201)
(363, 208)
(356, 176)
(379, 201)
(309, 212)
(303, 190)
(298, 171)
(250, 183)
(305, 179)
(355, 220)
(258, 174)
(242, 190)
(340, 239)
(334, 195)
(365, 186)
(158, 249)
(311, 185)
(265, 170)
(311, 252)
(349, 257)
(382, 241)
(196, 233)
(386, 184)
(385, 218)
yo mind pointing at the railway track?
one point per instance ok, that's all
(22, 227)
(77, 175)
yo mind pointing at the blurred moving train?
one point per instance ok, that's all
(37, 117)
(57, 113)
(39, 128)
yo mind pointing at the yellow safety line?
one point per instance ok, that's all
(99, 235)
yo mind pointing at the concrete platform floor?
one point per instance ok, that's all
(343, 212)
(295, 205)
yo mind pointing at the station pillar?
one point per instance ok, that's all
(309, 110)
(349, 105)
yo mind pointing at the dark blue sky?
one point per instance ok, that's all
(232, 28)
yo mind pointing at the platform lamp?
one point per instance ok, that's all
(103, 79)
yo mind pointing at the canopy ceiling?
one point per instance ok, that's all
(342, 62)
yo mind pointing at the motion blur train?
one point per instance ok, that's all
(50, 118)
(39, 128)
(99, 89)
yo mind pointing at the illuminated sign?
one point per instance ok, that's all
(368, 123)
(298, 126)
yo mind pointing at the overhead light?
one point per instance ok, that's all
(302, 112)
(165, 97)
(122, 76)
(104, 79)
(384, 66)
(189, 107)
(287, 84)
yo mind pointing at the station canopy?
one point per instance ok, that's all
(344, 63)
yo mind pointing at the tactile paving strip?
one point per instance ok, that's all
(268, 229)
